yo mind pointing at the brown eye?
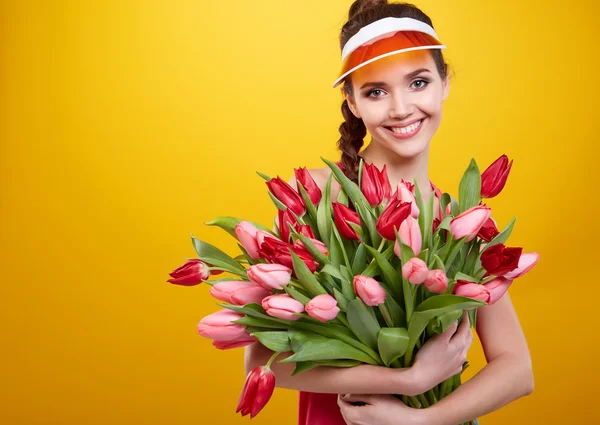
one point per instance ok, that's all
(369, 94)
(422, 85)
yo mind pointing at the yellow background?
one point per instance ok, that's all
(124, 125)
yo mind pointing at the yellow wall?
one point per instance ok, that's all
(124, 125)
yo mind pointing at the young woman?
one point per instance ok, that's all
(395, 81)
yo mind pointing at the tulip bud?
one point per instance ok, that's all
(526, 262)
(191, 273)
(471, 290)
(498, 260)
(405, 193)
(497, 287)
(218, 326)
(284, 217)
(415, 270)
(246, 234)
(318, 244)
(306, 230)
(270, 276)
(375, 184)
(282, 306)
(241, 341)
(369, 290)
(469, 222)
(322, 307)
(342, 214)
(494, 177)
(436, 281)
(410, 234)
(238, 292)
(488, 231)
(287, 195)
(304, 178)
(258, 389)
(392, 217)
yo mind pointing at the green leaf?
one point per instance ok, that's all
(347, 282)
(469, 190)
(259, 322)
(274, 341)
(392, 343)
(439, 264)
(214, 256)
(308, 346)
(440, 323)
(445, 199)
(264, 176)
(280, 205)
(340, 243)
(342, 197)
(390, 276)
(324, 214)
(297, 295)
(332, 271)
(310, 208)
(310, 247)
(360, 260)
(304, 366)
(228, 224)
(445, 223)
(363, 322)
(306, 277)
(341, 300)
(397, 312)
(501, 237)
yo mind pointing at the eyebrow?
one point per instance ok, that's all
(408, 76)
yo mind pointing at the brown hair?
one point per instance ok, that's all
(364, 12)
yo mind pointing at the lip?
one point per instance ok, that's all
(406, 135)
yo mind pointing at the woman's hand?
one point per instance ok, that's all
(442, 356)
(379, 410)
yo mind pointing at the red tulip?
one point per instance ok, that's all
(306, 230)
(375, 184)
(317, 243)
(277, 252)
(488, 231)
(258, 389)
(341, 214)
(287, 195)
(304, 178)
(494, 177)
(392, 217)
(284, 217)
(191, 273)
(498, 260)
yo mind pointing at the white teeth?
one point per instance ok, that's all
(407, 129)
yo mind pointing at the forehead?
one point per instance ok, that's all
(393, 68)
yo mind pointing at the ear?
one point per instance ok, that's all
(445, 88)
(352, 105)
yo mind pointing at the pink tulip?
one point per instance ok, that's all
(282, 306)
(304, 178)
(497, 287)
(410, 234)
(239, 293)
(368, 290)
(470, 222)
(436, 281)
(415, 270)
(471, 290)
(258, 389)
(261, 235)
(404, 193)
(270, 276)
(318, 244)
(494, 177)
(323, 307)
(526, 263)
(246, 234)
(437, 209)
(242, 341)
(191, 273)
(219, 327)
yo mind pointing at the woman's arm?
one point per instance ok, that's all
(507, 376)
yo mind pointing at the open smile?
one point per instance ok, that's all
(405, 132)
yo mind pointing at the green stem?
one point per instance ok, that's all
(432, 396)
(386, 315)
(381, 245)
(272, 359)
(423, 400)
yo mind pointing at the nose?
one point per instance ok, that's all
(400, 107)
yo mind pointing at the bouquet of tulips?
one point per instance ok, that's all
(367, 278)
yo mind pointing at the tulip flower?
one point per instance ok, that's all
(306, 230)
(435, 225)
(241, 341)
(470, 222)
(270, 276)
(436, 281)
(497, 260)
(304, 178)
(318, 244)
(415, 271)
(282, 306)
(191, 273)
(322, 307)
(405, 193)
(375, 184)
(258, 389)
(342, 214)
(494, 177)
(246, 234)
(287, 195)
(471, 290)
(392, 217)
(278, 252)
(488, 231)
(239, 292)
(410, 234)
(219, 327)
(284, 217)
(496, 288)
(368, 290)
(526, 262)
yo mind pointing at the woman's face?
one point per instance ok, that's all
(399, 98)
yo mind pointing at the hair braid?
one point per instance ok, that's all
(353, 132)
